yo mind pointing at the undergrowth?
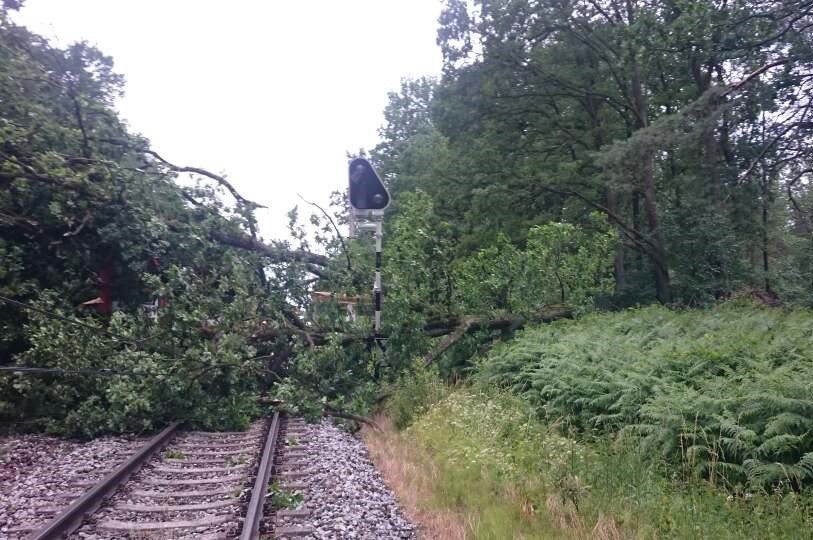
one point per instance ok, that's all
(722, 394)
(513, 476)
(411, 396)
(648, 423)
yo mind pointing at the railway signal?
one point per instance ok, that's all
(368, 199)
(367, 191)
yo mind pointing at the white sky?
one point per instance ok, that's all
(272, 93)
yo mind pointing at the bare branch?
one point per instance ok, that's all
(332, 411)
(753, 75)
(195, 170)
(81, 226)
(335, 228)
(275, 254)
(458, 327)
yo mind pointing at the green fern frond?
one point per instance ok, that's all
(806, 463)
(766, 475)
(733, 446)
(779, 445)
(787, 422)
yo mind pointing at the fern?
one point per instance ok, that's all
(725, 390)
(788, 422)
(779, 445)
(765, 475)
(806, 463)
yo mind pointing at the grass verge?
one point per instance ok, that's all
(477, 464)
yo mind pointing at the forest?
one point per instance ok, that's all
(575, 162)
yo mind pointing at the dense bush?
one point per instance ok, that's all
(561, 263)
(724, 392)
(133, 373)
(414, 394)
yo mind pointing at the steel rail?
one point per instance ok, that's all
(72, 517)
(254, 514)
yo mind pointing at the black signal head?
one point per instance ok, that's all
(367, 191)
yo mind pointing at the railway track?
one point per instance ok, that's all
(291, 466)
(201, 485)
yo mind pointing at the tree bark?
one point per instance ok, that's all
(647, 182)
(275, 254)
(456, 328)
(619, 270)
(766, 201)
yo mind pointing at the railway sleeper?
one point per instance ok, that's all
(192, 482)
(195, 470)
(136, 526)
(293, 532)
(145, 508)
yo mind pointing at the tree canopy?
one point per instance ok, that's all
(686, 124)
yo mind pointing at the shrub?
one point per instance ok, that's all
(412, 394)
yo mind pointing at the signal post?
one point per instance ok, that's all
(368, 200)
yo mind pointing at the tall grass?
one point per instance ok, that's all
(511, 476)
(413, 394)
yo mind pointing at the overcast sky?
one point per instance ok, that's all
(272, 93)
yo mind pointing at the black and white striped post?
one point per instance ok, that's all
(368, 200)
(379, 236)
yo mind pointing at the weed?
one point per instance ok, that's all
(232, 461)
(282, 498)
(413, 394)
(719, 394)
(514, 476)
(174, 454)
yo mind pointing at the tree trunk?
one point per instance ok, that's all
(766, 201)
(455, 328)
(619, 271)
(657, 251)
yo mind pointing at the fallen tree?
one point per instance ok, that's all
(455, 328)
(313, 261)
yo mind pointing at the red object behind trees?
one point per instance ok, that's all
(105, 280)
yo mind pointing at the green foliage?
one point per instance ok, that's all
(82, 197)
(567, 264)
(333, 376)
(174, 454)
(549, 111)
(488, 278)
(561, 263)
(794, 275)
(418, 257)
(513, 475)
(173, 374)
(707, 253)
(497, 170)
(413, 394)
(576, 152)
(722, 394)
(282, 499)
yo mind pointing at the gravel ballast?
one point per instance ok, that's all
(191, 489)
(343, 491)
(40, 475)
